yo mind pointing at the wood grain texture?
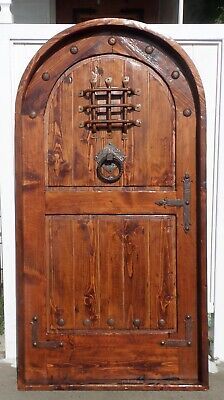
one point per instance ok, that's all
(92, 258)
(135, 279)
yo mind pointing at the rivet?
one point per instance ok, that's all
(189, 343)
(33, 114)
(175, 74)
(74, 50)
(46, 76)
(188, 317)
(112, 40)
(187, 202)
(34, 344)
(110, 321)
(162, 322)
(35, 318)
(163, 343)
(187, 112)
(87, 322)
(187, 176)
(138, 122)
(149, 49)
(61, 344)
(187, 228)
(137, 322)
(61, 321)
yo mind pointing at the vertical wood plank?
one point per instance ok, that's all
(60, 273)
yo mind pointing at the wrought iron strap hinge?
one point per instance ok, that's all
(185, 202)
(46, 344)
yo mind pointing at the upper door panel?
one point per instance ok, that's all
(80, 123)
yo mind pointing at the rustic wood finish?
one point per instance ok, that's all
(111, 289)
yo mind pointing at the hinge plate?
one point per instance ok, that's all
(185, 202)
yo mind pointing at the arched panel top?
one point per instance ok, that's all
(147, 140)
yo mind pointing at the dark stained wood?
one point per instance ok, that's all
(109, 273)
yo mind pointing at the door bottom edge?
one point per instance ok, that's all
(154, 386)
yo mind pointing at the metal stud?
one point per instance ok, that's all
(137, 322)
(61, 344)
(111, 321)
(35, 318)
(149, 49)
(61, 322)
(188, 317)
(112, 41)
(175, 74)
(163, 343)
(87, 322)
(74, 50)
(187, 112)
(34, 344)
(33, 114)
(162, 322)
(45, 76)
(189, 343)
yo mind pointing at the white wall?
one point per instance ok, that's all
(204, 43)
(33, 11)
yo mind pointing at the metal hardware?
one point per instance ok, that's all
(60, 321)
(112, 41)
(149, 49)
(114, 114)
(162, 322)
(185, 202)
(46, 344)
(137, 322)
(175, 74)
(87, 322)
(109, 159)
(74, 50)
(33, 114)
(110, 321)
(187, 112)
(45, 76)
(181, 342)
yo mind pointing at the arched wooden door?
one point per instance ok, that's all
(110, 164)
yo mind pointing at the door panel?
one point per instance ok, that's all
(110, 158)
(149, 149)
(112, 272)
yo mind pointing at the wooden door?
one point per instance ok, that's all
(110, 165)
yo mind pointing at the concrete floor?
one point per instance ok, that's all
(8, 391)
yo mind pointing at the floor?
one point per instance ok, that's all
(8, 391)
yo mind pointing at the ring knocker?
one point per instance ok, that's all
(110, 164)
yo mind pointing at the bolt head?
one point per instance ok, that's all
(87, 322)
(111, 321)
(74, 50)
(175, 74)
(46, 76)
(61, 322)
(112, 41)
(149, 49)
(187, 112)
(33, 114)
(137, 322)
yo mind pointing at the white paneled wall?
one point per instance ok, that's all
(204, 44)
